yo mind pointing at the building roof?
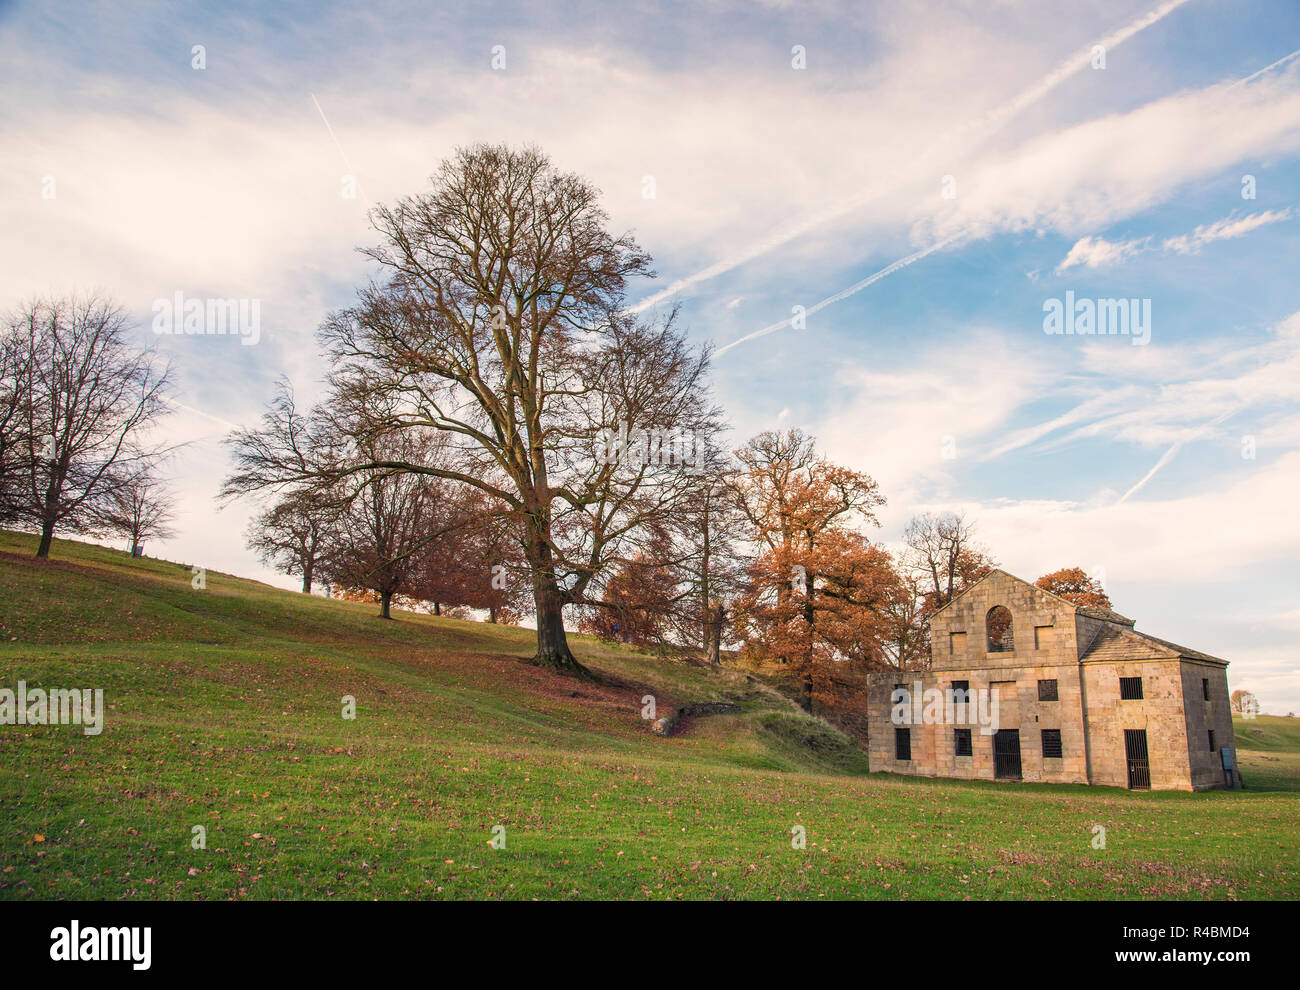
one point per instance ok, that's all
(1105, 614)
(1114, 642)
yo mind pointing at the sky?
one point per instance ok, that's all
(870, 209)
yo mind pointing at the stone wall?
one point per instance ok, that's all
(1033, 612)
(1159, 712)
(1202, 716)
(934, 744)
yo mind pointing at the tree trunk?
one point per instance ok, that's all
(492, 615)
(47, 537)
(437, 609)
(49, 510)
(552, 642)
(306, 578)
(385, 599)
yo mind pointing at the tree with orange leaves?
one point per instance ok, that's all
(1074, 584)
(817, 589)
(636, 605)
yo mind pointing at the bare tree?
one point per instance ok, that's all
(292, 534)
(906, 642)
(88, 396)
(943, 549)
(711, 528)
(1244, 702)
(387, 519)
(499, 322)
(139, 509)
(15, 361)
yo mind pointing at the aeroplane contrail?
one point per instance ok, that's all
(989, 122)
(845, 293)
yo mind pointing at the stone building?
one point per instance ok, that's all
(1025, 685)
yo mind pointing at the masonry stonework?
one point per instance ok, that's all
(1061, 714)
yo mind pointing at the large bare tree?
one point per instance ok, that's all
(499, 321)
(87, 396)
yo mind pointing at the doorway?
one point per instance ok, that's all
(1006, 754)
(1139, 763)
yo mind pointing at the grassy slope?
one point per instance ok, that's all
(224, 711)
(1268, 747)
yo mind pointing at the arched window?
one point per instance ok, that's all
(998, 622)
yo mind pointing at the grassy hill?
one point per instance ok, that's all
(224, 711)
(1268, 748)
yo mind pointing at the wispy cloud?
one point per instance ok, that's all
(1225, 229)
(1097, 252)
(980, 126)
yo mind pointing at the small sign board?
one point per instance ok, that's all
(1226, 755)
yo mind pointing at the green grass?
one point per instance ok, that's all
(1268, 748)
(224, 710)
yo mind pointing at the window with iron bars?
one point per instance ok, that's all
(1130, 688)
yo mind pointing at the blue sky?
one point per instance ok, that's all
(774, 187)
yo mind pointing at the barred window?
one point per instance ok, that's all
(1130, 688)
(961, 739)
(1051, 744)
(960, 691)
(902, 744)
(1047, 690)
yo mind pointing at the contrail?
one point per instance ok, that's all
(1168, 455)
(342, 154)
(1078, 61)
(1268, 68)
(1165, 458)
(845, 293)
(199, 412)
(992, 120)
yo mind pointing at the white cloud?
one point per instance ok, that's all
(1224, 229)
(1095, 252)
(1088, 176)
(912, 425)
